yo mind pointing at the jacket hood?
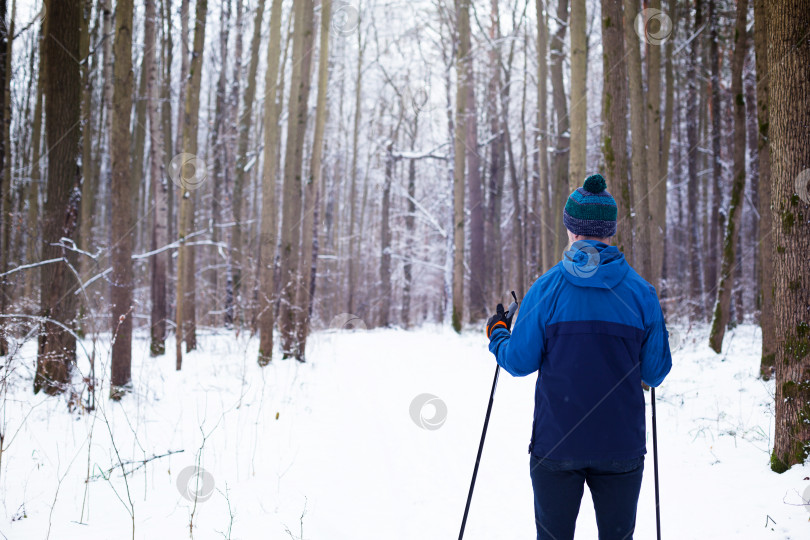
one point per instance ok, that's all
(589, 263)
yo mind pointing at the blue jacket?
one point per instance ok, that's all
(593, 329)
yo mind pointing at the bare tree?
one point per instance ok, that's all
(638, 137)
(159, 187)
(463, 72)
(312, 189)
(186, 304)
(57, 341)
(614, 116)
(722, 307)
(293, 161)
(789, 63)
(765, 239)
(579, 96)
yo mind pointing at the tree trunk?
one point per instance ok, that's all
(496, 164)
(695, 260)
(638, 136)
(544, 200)
(614, 116)
(34, 217)
(478, 306)
(5, 179)
(293, 161)
(89, 179)
(313, 185)
(138, 149)
(242, 158)
(463, 58)
(122, 212)
(579, 96)
(269, 216)
(789, 92)
(657, 180)
(57, 343)
(186, 177)
(717, 159)
(766, 249)
(351, 303)
(722, 306)
(562, 140)
(385, 237)
(159, 188)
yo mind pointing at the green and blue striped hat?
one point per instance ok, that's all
(591, 209)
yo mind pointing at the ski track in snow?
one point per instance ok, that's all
(344, 459)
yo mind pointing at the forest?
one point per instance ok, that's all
(177, 173)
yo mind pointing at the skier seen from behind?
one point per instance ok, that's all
(593, 329)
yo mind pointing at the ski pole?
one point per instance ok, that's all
(512, 309)
(655, 466)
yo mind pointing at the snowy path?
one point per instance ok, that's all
(345, 453)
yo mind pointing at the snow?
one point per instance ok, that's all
(328, 449)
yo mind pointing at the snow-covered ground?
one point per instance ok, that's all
(328, 450)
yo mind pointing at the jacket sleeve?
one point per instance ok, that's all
(520, 353)
(656, 359)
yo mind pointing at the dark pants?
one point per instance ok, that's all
(558, 487)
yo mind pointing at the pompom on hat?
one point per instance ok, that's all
(591, 209)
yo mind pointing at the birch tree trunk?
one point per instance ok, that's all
(56, 353)
(789, 79)
(269, 216)
(313, 185)
(579, 96)
(351, 301)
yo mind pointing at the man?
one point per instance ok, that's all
(594, 330)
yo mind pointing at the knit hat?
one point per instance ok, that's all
(591, 209)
